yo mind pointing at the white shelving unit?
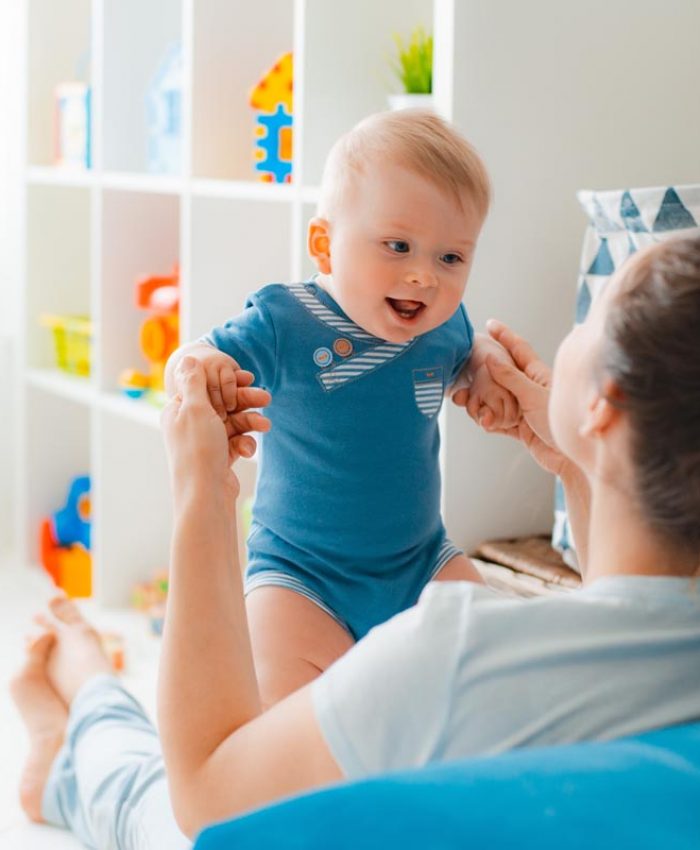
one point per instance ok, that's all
(91, 234)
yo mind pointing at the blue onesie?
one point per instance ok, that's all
(347, 506)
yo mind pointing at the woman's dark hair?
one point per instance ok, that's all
(652, 353)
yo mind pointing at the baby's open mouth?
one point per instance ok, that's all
(405, 308)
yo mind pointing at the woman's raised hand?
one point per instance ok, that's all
(200, 446)
(529, 380)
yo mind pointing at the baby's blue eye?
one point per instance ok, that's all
(398, 245)
(451, 259)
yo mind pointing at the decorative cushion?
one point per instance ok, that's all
(639, 793)
(620, 222)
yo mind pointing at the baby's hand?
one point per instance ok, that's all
(488, 404)
(220, 371)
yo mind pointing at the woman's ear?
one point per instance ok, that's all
(319, 244)
(602, 411)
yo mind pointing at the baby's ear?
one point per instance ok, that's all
(319, 244)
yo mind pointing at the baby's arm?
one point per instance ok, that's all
(488, 404)
(220, 369)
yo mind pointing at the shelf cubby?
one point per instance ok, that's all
(231, 51)
(58, 47)
(57, 448)
(57, 278)
(131, 535)
(136, 37)
(140, 236)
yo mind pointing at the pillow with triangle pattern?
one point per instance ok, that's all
(620, 223)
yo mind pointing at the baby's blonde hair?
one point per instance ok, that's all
(417, 139)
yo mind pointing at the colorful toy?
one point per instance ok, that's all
(72, 125)
(65, 541)
(72, 336)
(113, 647)
(273, 98)
(159, 335)
(164, 114)
(150, 597)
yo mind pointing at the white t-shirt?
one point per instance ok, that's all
(468, 672)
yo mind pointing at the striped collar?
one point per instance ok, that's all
(304, 292)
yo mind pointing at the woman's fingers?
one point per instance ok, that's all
(510, 378)
(193, 382)
(245, 421)
(521, 351)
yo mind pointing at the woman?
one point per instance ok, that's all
(465, 671)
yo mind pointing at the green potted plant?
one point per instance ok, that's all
(413, 67)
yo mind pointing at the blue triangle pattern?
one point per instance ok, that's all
(583, 302)
(602, 221)
(559, 502)
(603, 263)
(631, 246)
(672, 214)
(631, 216)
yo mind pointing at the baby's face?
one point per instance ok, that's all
(400, 252)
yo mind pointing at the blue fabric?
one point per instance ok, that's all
(348, 495)
(640, 793)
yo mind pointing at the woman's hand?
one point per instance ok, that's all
(200, 446)
(529, 381)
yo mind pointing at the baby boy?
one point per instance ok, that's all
(346, 527)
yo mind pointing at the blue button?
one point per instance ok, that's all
(323, 357)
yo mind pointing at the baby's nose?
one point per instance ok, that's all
(422, 278)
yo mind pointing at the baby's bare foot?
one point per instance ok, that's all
(77, 655)
(45, 715)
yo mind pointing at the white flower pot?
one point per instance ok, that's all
(410, 101)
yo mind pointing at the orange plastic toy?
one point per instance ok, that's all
(64, 540)
(159, 335)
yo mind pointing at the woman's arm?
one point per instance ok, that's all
(222, 755)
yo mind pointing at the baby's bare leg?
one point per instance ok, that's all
(459, 568)
(293, 641)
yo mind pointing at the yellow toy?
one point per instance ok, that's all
(273, 97)
(71, 337)
(159, 335)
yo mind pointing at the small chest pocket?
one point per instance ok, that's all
(428, 388)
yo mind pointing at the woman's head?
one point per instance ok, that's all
(638, 354)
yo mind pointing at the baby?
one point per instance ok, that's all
(346, 527)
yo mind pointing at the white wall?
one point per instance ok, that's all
(557, 96)
(10, 159)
